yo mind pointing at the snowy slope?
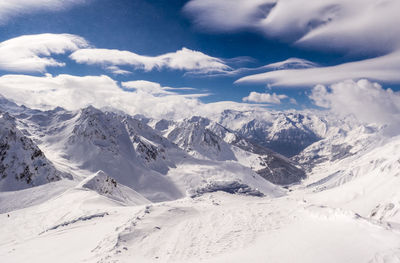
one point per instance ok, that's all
(193, 136)
(90, 140)
(192, 190)
(80, 226)
(343, 138)
(209, 140)
(22, 163)
(287, 133)
(366, 182)
(129, 151)
(107, 186)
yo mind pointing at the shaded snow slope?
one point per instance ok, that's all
(287, 133)
(209, 140)
(22, 163)
(367, 181)
(196, 177)
(339, 143)
(90, 140)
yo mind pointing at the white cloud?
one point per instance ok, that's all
(73, 92)
(117, 71)
(330, 24)
(291, 63)
(184, 59)
(10, 8)
(366, 100)
(146, 86)
(225, 15)
(155, 88)
(356, 27)
(31, 53)
(264, 97)
(383, 68)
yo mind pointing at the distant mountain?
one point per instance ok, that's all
(135, 155)
(287, 133)
(203, 138)
(343, 140)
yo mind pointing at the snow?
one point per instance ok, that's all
(287, 133)
(109, 187)
(136, 190)
(208, 140)
(23, 164)
(216, 227)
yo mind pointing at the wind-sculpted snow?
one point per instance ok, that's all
(82, 218)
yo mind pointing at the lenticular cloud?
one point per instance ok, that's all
(357, 28)
(184, 59)
(383, 68)
(11, 8)
(32, 53)
(325, 24)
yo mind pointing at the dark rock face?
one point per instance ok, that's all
(288, 141)
(22, 163)
(228, 187)
(280, 171)
(287, 133)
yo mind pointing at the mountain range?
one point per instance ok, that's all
(100, 185)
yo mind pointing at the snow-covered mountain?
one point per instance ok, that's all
(108, 187)
(137, 156)
(22, 163)
(287, 133)
(340, 142)
(205, 139)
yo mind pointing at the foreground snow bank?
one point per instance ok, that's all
(82, 226)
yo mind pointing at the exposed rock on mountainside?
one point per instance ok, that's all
(287, 133)
(206, 139)
(109, 187)
(22, 163)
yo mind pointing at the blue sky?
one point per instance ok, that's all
(157, 27)
(238, 34)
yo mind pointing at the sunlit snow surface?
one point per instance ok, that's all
(184, 193)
